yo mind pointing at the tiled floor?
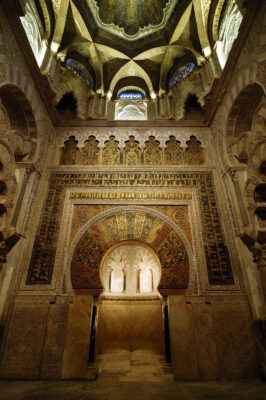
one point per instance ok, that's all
(109, 390)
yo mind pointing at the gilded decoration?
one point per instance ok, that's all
(85, 264)
(132, 15)
(173, 152)
(111, 152)
(131, 225)
(152, 152)
(90, 152)
(194, 153)
(132, 153)
(70, 152)
(83, 213)
(46, 241)
(179, 215)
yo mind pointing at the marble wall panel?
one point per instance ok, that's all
(205, 341)
(54, 339)
(182, 336)
(130, 325)
(76, 351)
(23, 348)
(235, 338)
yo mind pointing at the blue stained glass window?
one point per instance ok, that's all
(131, 94)
(179, 75)
(80, 71)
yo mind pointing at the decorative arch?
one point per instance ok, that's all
(137, 71)
(246, 77)
(21, 127)
(9, 182)
(92, 229)
(241, 115)
(254, 180)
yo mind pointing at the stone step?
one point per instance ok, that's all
(134, 367)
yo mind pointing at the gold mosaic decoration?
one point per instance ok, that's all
(152, 152)
(46, 242)
(130, 225)
(194, 153)
(173, 152)
(70, 152)
(111, 152)
(90, 152)
(132, 153)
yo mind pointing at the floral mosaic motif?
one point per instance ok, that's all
(173, 152)
(132, 153)
(89, 253)
(46, 241)
(194, 153)
(90, 152)
(132, 15)
(70, 152)
(171, 252)
(111, 152)
(86, 260)
(152, 152)
(130, 225)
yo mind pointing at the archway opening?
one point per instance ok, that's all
(130, 269)
(240, 120)
(262, 169)
(123, 268)
(130, 324)
(3, 188)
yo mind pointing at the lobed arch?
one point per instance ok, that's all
(246, 77)
(21, 127)
(255, 179)
(244, 138)
(8, 183)
(14, 99)
(137, 250)
(122, 209)
(241, 116)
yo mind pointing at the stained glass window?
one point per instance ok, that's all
(181, 74)
(80, 71)
(131, 94)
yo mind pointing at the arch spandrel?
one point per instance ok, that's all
(118, 228)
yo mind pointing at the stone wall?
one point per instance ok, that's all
(212, 338)
(35, 338)
(46, 333)
(34, 137)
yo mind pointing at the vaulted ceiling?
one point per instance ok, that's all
(126, 39)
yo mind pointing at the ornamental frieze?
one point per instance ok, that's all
(45, 246)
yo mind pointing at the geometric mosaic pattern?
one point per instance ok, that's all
(42, 261)
(130, 225)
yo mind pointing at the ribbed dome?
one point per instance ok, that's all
(132, 15)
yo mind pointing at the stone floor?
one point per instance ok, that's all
(110, 390)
